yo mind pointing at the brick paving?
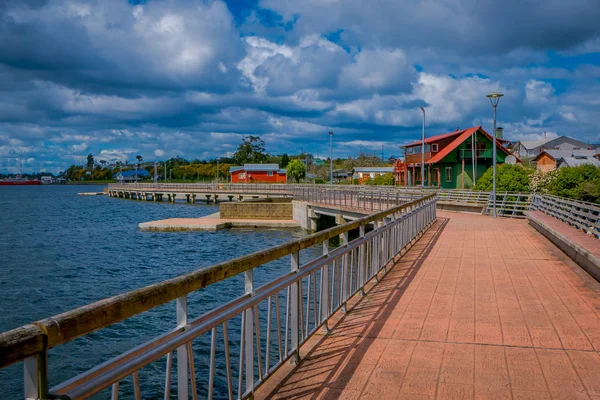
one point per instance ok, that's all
(477, 309)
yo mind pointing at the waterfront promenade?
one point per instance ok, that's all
(479, 308)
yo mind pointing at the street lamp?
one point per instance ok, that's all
(494, 100)
(423, 150)
(331, 157)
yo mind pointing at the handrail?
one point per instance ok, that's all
(21, 343)
(582, 215)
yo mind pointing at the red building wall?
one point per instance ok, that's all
(258, 177)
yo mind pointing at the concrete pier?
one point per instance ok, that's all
(213, 223)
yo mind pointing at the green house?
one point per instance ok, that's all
(453, 160)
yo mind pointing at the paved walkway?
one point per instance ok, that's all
(479, 308)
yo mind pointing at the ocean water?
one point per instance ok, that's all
(59, 251)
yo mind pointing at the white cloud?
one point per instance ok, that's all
(159, 153)
(538, 92)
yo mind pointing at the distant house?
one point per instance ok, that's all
(318, 162)
(548, 160)
(531, 148)
(575, 162)
(452, 160)
(364, 173)
(340, 175)
(258, 173)
(131, 175)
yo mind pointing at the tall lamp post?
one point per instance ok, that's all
(494, 100)
(217, 170)
(423, 150)
(331, 157)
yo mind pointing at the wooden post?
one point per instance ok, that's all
(463, 173)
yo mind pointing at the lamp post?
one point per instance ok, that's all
(217, 170)
(494, 100)
(423, 150)
(331, 157)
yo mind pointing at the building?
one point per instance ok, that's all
(531, 148)
(341, 175)
(131, 175)
(258, 173)
(364, 173)
(548, 160)
(576, 161)
(453, 160)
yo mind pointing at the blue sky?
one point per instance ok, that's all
(163, 78)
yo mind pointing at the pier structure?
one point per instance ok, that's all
(414, 303)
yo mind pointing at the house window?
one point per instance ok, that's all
(269, 173)
(241, 175)
(434, 148)
(448, 174)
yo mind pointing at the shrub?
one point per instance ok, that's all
(579, 183)
(509, 178)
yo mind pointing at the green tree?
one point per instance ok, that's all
(579, 183)
(509, 178)
(251, 150)
(285, 160)
(90, 162)
(385, 179)
(296, 170)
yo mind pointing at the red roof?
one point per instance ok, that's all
(463, 135)
(435, 138)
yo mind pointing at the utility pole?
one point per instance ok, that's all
(155, 173)
(217, 170)
(165, 172)
(331, 157)
(423, 150)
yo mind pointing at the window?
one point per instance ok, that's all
(434, 147)
(269, 173)
(241, 175)
(448, 174)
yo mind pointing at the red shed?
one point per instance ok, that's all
(258, 173)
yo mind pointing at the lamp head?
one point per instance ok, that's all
(422, 108)
(494, 98)
(330, 133)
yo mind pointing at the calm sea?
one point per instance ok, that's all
(59, 251)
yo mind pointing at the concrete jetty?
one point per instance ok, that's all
(213, 223)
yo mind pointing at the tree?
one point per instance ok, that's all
(296, 170)
(579, 183)
(285, 160)
(384, 179)
(251, 150)
(509, 178)
(90, 162)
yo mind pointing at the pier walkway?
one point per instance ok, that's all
(479, 308)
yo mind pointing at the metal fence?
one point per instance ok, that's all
(271, 321)
(581, 215)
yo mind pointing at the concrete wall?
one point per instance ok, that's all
(252, 210)
(300, 214)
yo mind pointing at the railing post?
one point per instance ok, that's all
(182, 352)
(35, 382)
(249, 333)
(345, 272)
(295, 310)
(362, 262)
(325, 289)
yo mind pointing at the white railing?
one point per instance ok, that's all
(579, 214)
(270, 322)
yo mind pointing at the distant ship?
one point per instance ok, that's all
(19, 181)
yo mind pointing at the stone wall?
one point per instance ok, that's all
(254, 210)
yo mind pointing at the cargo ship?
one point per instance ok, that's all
(19, 181)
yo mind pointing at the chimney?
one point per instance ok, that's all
(499, 132)
(544, 134)
(457, 129)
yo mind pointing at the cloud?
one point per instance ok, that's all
(192, 78)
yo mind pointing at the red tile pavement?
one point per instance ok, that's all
(477, 309)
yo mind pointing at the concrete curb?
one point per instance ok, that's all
(584, 258)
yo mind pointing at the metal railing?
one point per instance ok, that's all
(579, 214)
(271, 322)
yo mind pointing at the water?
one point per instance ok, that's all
(59, 251)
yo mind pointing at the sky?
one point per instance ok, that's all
(166, 78)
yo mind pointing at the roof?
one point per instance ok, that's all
(435, 138)
(374, 169)
(574, 162)
(255, 167)
(461, 138)
(131, 173)
(556, 154)
(533, 144)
